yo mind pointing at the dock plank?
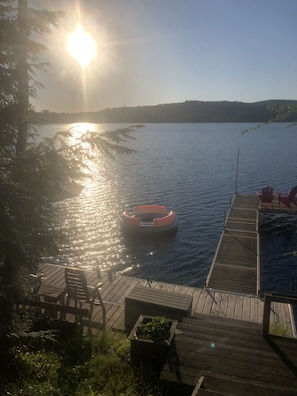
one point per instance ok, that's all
(235, 264)
(238, 307)
(246, 308)
(224, 305)
(201, 302)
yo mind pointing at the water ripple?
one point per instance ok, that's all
(190, 168)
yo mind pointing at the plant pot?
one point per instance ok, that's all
(147, 350)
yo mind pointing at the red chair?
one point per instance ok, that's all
(266, 195)
(288, 199)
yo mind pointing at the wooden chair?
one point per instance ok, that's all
(266, 195)
(288, 199)
(35, 283)
(78, 290)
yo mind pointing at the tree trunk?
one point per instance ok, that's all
(22, 76)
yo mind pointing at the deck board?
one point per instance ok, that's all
(205, 301)
(233, 350)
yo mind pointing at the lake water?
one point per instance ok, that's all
(190, 168)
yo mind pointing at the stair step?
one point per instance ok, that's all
(224, 323)
(207, 392)
(237, 387)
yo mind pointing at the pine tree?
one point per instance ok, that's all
(32, 176)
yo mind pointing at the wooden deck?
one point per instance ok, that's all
(232, 357)
(235, 267)
(221, 341)
(275, 206)
(115, 288)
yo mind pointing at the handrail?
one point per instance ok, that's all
(268, 298)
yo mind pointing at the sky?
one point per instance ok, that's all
(152, 52)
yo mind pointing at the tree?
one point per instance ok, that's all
(24, 217)
(19, 60)
(282, 112)
(22, 76)
(32, 176)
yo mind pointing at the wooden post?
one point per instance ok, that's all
(98, 270)
(75, 303)
(266, 315)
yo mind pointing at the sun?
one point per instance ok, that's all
(81, 46)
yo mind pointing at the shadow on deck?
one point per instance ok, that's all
(229, 357)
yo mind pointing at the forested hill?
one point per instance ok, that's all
(189, 111)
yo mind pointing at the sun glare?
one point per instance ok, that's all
(81, 46)
(81, 128)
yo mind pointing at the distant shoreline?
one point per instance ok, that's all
(186, 112)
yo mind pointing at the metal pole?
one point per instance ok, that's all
(236, 182)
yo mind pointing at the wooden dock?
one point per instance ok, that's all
(115, 288)
(235, 267)
(236, 263)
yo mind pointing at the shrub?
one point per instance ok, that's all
(98, 366)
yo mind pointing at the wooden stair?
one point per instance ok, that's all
(220, 386)
(232, 357)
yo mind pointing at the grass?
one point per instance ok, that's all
(279, 330)
(77, 366)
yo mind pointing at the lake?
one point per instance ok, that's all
(192, 169)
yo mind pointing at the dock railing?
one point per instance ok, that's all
(281, 298)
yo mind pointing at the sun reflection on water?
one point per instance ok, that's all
(91, 219)
(83, 127)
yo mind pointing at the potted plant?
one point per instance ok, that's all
(150, 339)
